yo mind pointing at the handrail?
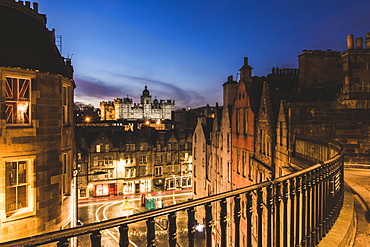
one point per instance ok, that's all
(310, 182)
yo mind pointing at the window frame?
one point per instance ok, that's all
(30, 190)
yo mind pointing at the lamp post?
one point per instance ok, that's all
(74, 200)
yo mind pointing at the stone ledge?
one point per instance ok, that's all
(344, 229)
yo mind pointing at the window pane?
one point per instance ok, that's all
(11, 173)
(22, 172)
(11, 199)
(22, 197)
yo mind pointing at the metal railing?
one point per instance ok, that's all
(294, 210)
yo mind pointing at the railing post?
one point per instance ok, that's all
(95, 238)
(285, 197)
(208, 208)
(304, 210)
(310, 208)
(172, 229)
(320, 209)
(223, 222)
(62, 243)
(150, 235)
(277, 214)
(249, 211)
(237, 220)
(260, 218)
(293, 220)
(298, 210)
(123, 235)
(191, 226)
(270, 204)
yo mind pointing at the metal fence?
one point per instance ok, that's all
(294, 210)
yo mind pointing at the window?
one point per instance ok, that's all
(64, 173)
(98, 148)
(143, 146)
(169, 146)
(130, 147)
(237, 121)
(18, 101)
(158, 171)
(143, 158)
(17, 186)
(65, 100)
(106, 147)
(158, 158)
(158, 147)
(244, 162)
(246, 122)
(238, 161)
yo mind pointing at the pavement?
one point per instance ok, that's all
(357, 176)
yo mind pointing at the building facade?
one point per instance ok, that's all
(134, 161)
(145, 110)
(327, 96)
(36, 125)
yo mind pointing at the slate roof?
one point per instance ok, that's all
(26, 42)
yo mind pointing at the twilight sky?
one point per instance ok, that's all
(185, 50)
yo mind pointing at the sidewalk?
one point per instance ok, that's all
(357, 176)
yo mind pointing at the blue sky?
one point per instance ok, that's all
(185, 50)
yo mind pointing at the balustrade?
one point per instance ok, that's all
(294, 210)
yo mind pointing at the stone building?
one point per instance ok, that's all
(134, 161)
(36, 125)
(327, 96)
(145, 110)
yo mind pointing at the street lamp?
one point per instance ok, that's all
(74, 200)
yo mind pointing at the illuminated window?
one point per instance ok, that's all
(17, 187)
(238, 161)
(65, 104)
(18, 101)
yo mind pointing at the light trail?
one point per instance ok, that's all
(106, 218)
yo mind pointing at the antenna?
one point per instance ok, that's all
(58, 42)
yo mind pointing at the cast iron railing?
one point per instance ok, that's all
(294, 210)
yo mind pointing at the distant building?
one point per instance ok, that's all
(137, 160)
(36, 125)
(145, 110)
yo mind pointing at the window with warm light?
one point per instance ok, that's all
(18, 199)
(18, 101)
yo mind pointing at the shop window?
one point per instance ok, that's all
(18, 102)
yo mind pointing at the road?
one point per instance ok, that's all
(102, 210)
(359, 181)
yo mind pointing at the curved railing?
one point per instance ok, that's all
(294, 210)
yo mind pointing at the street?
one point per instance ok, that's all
(359, 180)
(90, 212)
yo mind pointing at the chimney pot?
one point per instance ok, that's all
(245, 60)
(350, 44)
(367, 40)
(230, 78)
(359, 43)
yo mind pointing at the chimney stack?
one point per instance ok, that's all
(359, 43)
(36, 7)
(245, 60)
(350, 42)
